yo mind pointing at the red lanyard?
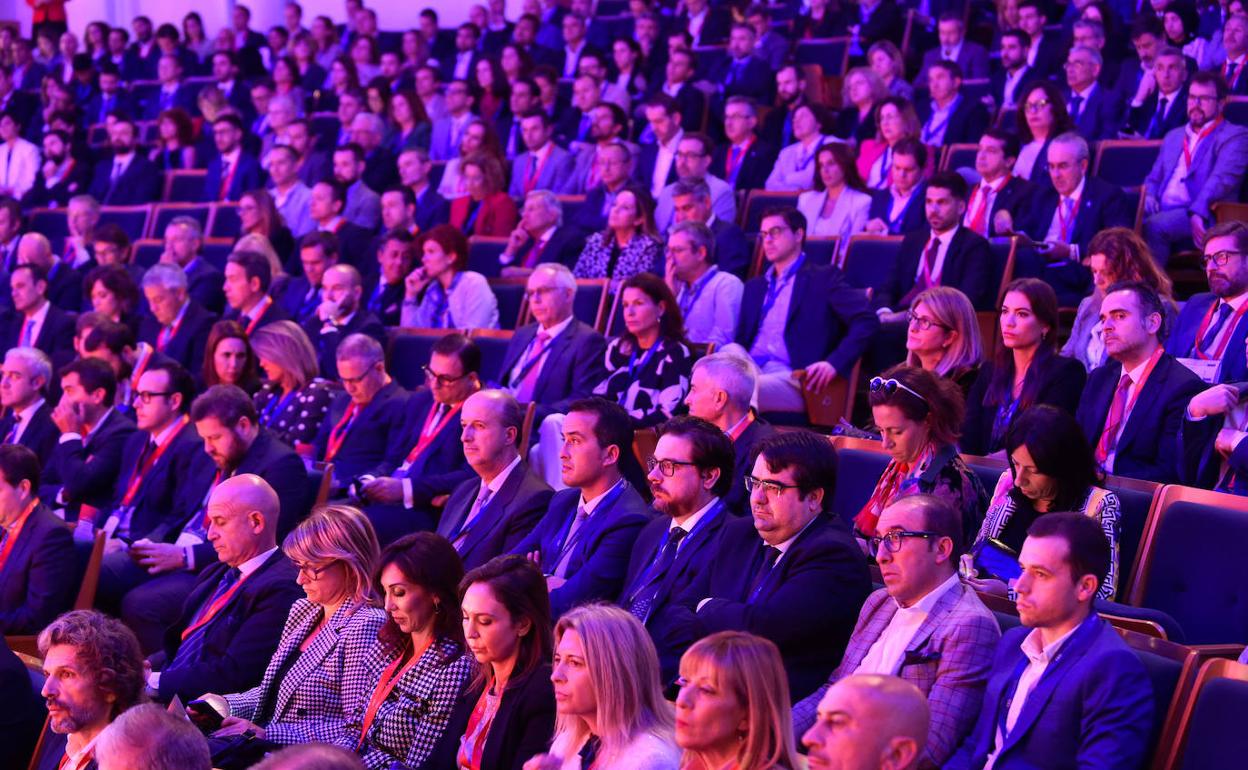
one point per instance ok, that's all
(83, 760)
(141, 367)
(985, 192)
(531, 180)
(478, 743)
(389, 678)
(1139, 386)
(263, 306)
(339, 433)
(737, 157)
(1227, 332)
(1188, 150)
(1239, 68)
(13, 533)
(136, 480)
(169, 332)
(211, 611)
(1065, 225)
(739, 428)
(427, 434)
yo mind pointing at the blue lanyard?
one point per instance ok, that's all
(634, 365)
(689, 294)
(275, 407)
(603, 506)
(775, 285)
(894, 222)
(929, 130)
(809, 158)
(474, 210)
(647, 576)
(442, 310)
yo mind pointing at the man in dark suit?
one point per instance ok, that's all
(246, 287)
(426, 457)
(706, 24)
(1212, 451)
(792, 572)
(36, 322)
(318, 251)
(998, 189)
(178, 326)
(1096, 110)
(490, 514)
(1014, 73)
(184, 238)
(36, 582)
(226, 76)
(27, 421)
(1165, 107)
(431, 209)
(327, 204)
(22, 719)
(691, 202)
(615, 163)
(971, 57)
(656, 163)
(1235, 45)
(678, 83)
(744, 161)
(900, 207)
(1046, 48)
(692, 470)
(1089, 704)
(61, 176)
(340, 314)
(233, 171)
(557, 359)
(172, 92)
(232, 619)
(1211, 328)
(945, 254)
(799, 316)
(1133, 406)
(583, 541)
(396, 256)
(367, 417)
(949, 118)
(82, 700)
(127, 178)
(109, 98)
(64, 283)
(541, 236)
(877, 21)
(83, 470)
(741, 73)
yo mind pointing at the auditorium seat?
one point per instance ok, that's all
(133, 220)
(217, 250)
(956, 156)
(593, 305)
(859, 463)
(1125, 162)
(185, 186)
(869, 260)
(493, 344)
(164, 213)
(830, 53)
(758, 201)
(408, 353)
(571, 206)
(1237, 110)
(1171, 669)
(483, 253)
(1136, 498)
(53, 223)
(510, 295)
(224, 222)
(147, 252)
(1210, 732)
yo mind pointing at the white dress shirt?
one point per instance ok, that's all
(888, 652)
(1136, 375)
(19, 164)
(39, 317)
(23, 418)
(663, 161)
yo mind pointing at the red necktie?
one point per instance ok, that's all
(1113, 422)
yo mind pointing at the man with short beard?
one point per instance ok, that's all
(128, 178)
(1210, 331)
(60, 177)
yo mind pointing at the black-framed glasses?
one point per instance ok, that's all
(892, 540)
(666, 467)
(890, 386)
(313, 573)
(923, 322)
(1220, 258)
(146, 396)
(773, 489)
(445, 380)
(774, 233)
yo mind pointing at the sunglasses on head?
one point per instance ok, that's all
(890, 386)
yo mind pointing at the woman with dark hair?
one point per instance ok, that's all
(114, 294)
(487, 209)
(229, 359)
(895, 121)
(411, 125)
(364, 52)
(649, 365)
(442, 293)
(839, 204)
(508, 713)
(342, 77)
(1041, 116)
(479, 138)
(1026, 369)
(195, 39)
(417, 669)
(324, 35)
(311, 74)
(627, 58)
(175, 141)
(1181, 21)
(287, 81)
(1052, 468)
(377, 98)
(516, 62)
(821, 19)
(258, 215)
(919, 417)
(491, 87)
(630, 244)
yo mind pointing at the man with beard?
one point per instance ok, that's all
(60, 177)
(340, 315)
(790, 94)
(1210, 332)
(77, 650)
(1199, 163)
(128, 178)
(1014, 73)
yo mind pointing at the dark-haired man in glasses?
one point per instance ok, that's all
(1210, 332)
(925, 625)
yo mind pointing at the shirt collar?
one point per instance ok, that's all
(1078, 193)
(253, 564)
(167, 432)
(41, 314)
(1035, 650)
(591, 505)
(24, 416)
(693, 520)
(929, 599)
(784, 547)
(558, 328)
(98, 423)
(1085, 93)
(497, 482)
(946, 237)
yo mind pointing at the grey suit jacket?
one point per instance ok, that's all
(723, 203)
(552, 175)
(363, 206)
(1216, 172)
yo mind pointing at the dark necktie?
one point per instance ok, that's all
(643, 596)
(770, 555)
(1211, 336)
(190, 648)
(1154, 128)
(1076, 106)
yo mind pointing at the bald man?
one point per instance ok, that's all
(233, 617)
(64, 282)
(340, 314)
(868, 722)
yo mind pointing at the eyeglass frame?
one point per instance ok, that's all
(314, 573)
(898, 536)
(924, 322)
(1219, 258)
(146, 396)
(445, 381)
(770, 487)
(1036, 106)
(878, 384)
(653, 462)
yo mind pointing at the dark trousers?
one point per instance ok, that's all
(154, 605)
(394, 521)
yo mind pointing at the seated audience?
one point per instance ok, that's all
(247, 282)
(899, 206)
(490, 514)
(950, 117)
(948, 654)
(184, 242)
(791, 572)
(36, 322)
(897, 122)
(795, 165)
(1096, 111)
(64, 284)
(318, 251)
(234, 170)
(363, 206)
(291, 198)
(418, 668)
(178, 325)
(1153, 112)
(24, 381)
(113, 292)
(942, 336)
(93, 673)
(126, 177)
(998, 188)
(326, 637)
(1025, 370)
(443, 293)
(608, 700)
(615, 160)
(693, 163)
(691, 202)
(36, 585)
(1041, 117)
(340, 314)
(869, 722)
(1133, 406)
(543, 235)
(744, 160)
(839, 204)
(396, 256)
(1104, 713)
(486, 209)
(709, 299)
(1210, 332)
(151, 737)
(543, 165)
(292, 404)
(919, 415)
(229, 359)
(629, 245)
(864, 90)
(327, 207)
(229, 625)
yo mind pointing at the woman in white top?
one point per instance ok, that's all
(795, 166)
(1042, 115)
(838, 205)
(609, 706)
(442, 293)
(19, 159)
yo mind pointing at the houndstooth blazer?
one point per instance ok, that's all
(948, 659)
(306, 704)
(413, 717)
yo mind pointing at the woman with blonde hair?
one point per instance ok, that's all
(733, 708)
(326, 638)
(261, 245)
(943, 336)
(294, 401)
(609, 706)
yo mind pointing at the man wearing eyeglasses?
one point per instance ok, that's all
(693, 164)
(1096, 111)
(1199, 164)
(689, 473)
(423, 456)
(1210, 332)
(792, 572)
(925, 625)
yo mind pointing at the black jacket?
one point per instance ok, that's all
(507, 517)
(521, 729)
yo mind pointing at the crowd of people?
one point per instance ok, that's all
(608, 542)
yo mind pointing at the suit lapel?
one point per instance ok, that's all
(557, 346)
(879, 620)
(515, 352)
(494, 510)
(1153, 386)
(1053, 675)
(311, 659)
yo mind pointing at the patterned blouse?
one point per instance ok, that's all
(297, 417)
(603, 259)
(1007, 523)
(649, 384)
(944, 474)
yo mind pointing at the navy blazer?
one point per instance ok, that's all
(1061, 383)
(752, 171)
(829, 320)
(431, 209)
(565, 246)
(374, 429)
(913, 218)
(1182, 340)
(966, 124)
(187, 346)
(738, 499)
(24, 711)
(1202, 465)
(1092, 707)
(156, 498)
(645, 166)
(1148, 445)
(40, 436)
(507, 518)
(438, 469)
(1014, 197)
(326, 338)
(85, 473)
(521, 728)
(732, 248)
(205, 284)
(697, 551)
(1101, 206)
(56, 336)
(997, 84)
(1100, 116)
(272, 314)
(967, 267)
(807, 604)
(753, 78)
(572, 369)
(38, 581)
(1140, 120)
(600, 555)
(138, 184)
(240, 640)
(182, 97)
